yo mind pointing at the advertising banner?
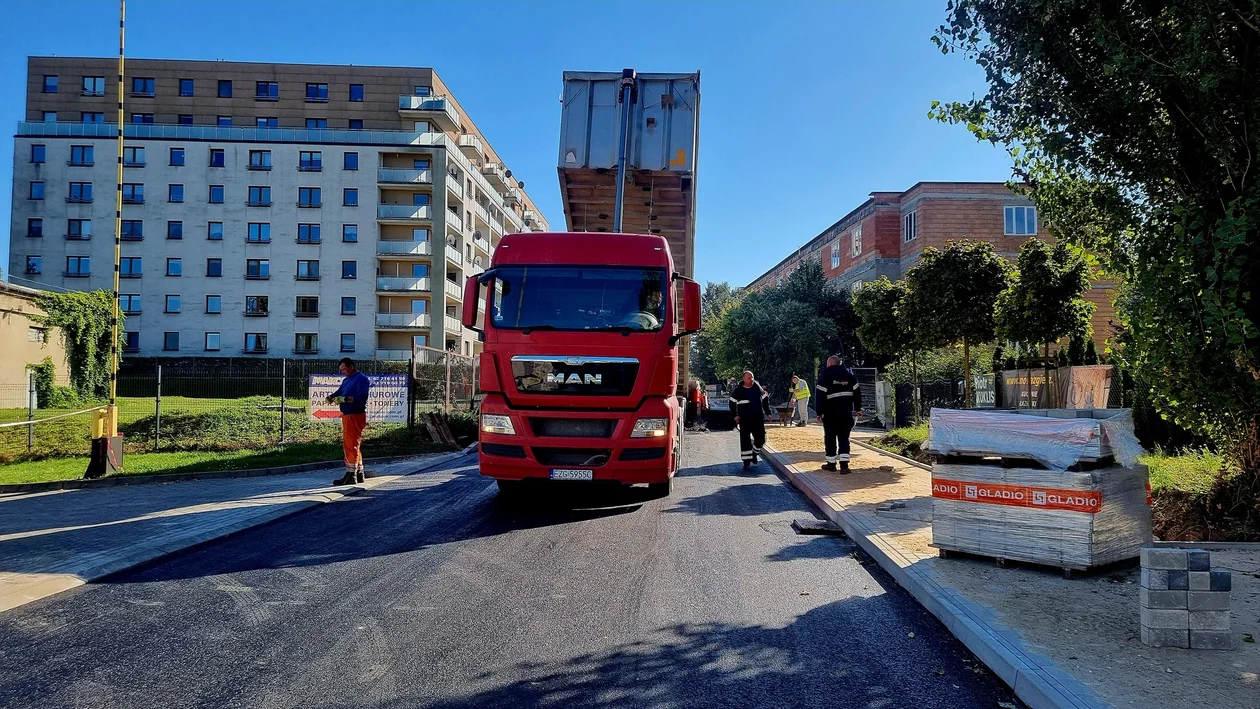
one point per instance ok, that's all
(387, 399)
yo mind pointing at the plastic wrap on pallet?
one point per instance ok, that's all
(1057, 443)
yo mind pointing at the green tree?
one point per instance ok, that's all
(1131, 123)
(84, 319)
(1076, 351)
(1091, 353)
(883, 327)
(1043, 303)
(951, 295)
(714, 302)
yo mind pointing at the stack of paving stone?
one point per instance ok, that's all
(1185, 602)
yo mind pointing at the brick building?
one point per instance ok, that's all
(886, 234)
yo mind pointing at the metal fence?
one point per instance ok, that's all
(445, 381)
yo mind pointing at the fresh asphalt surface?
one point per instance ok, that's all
(430, 592)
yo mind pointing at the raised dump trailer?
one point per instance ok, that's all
(660, 142)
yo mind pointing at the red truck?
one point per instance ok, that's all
(580, 360)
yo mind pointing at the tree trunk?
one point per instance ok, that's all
(1046, 366)
(914, 393)
(1028, 366)
(966, 374)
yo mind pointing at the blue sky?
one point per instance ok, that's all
(806, 107)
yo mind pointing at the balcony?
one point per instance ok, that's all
(472, 148)
(454, 256)
(402, 321)
(482, 244)
(404, 284)
(456, 186)
(511, 197)
(453, 325)
(454, 291)
(403, 212)
(402, 248)
(396, 176)
(496, 175)
(496, 228)
(453, 220)
(439, 110)
(483, 213)
(395, 355)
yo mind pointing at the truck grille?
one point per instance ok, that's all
(575, 376)
(582, 457)
(573, 428)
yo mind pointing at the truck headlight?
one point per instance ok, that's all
(494, 423)
(650, 428)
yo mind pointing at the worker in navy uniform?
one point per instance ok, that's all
(751, 405)
(839, 403)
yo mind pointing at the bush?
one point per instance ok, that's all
(906, 441)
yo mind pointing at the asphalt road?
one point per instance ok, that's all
(428, 592)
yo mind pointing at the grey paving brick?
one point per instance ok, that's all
(1179, 580)
(1163, 600)
(1211, 640)
(1207, 600)
(1165, 637)
(1209, 620)
(1221, 580)
(1198, 560)
(1170, 559)
(1155, 579)
(1174, 619)
(1200, 580)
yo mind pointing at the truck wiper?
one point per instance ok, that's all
(531, 328)
(625, 330)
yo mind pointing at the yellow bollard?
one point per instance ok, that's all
(105, 422)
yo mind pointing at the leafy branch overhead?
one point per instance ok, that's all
(85, 322)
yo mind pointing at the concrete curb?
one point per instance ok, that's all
(110, 565)
(902, 458)
(1036, 680)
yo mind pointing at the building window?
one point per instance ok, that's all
(81, 192)
(310, 161)
(93, 86)
(129, 304)
(36, 190)
(212, 341)
(259, 233)
(308, 234)
(216, 194)
(260, 196)
(309, 197)
(267, 91)
(835, 255)
(142, 86)
(349, 305)
(356, 93)
(355, 124)
(39, 153)
(225, 88)
(349, 161)
(214, 268)
(87, 117)
(145, 118)
(349, 269)
(174, 267)
(350, 233)
(35, 227)
(307, 306)
(186, 87)
(224, 121)
(1021, 221)
(856, 239)
(260, 159)
(174, 230)
(350, 197)
(420, 127)
(423, 91)
(133, 193)
(315, 123)
(36, 334)
(172, 303)
(176, 193)
(308, 270)
(185, 119)
(50, 84)
(170, 342)
(82, 155)
(317, 92)
(79, 229)
(910, 227)
(256, 305)
(34, 265)
(129, 267)
(268, 122)
(214, 304)
(426, 164)
(78, 266)
(257, 269)
(217, 158)
(305, 343)
(177, 157)
(51, 117)
(347, 342)
(256, 342)
(214, 231)
(131, 341)
(132, 230)
(133, 157)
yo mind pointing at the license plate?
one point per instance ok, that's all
(571, 474)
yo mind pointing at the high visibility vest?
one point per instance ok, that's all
(803, 391)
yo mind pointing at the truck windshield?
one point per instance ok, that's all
(579, 298)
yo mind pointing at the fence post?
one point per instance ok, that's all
(284, 383)
(448, 383)
(411, 392)
(31, 401)
(157, 414)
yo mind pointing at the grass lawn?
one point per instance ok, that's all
(904, 441)
(1192, 471)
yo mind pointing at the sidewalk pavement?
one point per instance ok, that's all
(1056, 642)
(57, 540)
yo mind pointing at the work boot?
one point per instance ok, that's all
(844, 468)
(358, 476)
(347, 479)
(829, 467)
(800, 424)
(747, 464)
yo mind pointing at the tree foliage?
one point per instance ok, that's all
(951, 293)
(1131, 123)
(84, 319)
(716, 300)
(1043, 303)
(883, 329)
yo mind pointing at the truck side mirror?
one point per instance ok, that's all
(472, 291)
(691, 307)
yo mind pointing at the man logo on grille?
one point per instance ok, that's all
(584, 379)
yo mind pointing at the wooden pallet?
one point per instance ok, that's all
(1014, 461)
(1069, 572)
(438, 430)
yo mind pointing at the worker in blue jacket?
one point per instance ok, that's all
(351, 397)
(751, 405)
(839, 403)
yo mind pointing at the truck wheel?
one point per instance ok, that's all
(660, 490)
(509, 489)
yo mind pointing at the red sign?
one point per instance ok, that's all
(1017, 495)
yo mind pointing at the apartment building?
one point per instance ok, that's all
(886, 235)
(270, 210)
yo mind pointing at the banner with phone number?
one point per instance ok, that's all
(386, 403)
